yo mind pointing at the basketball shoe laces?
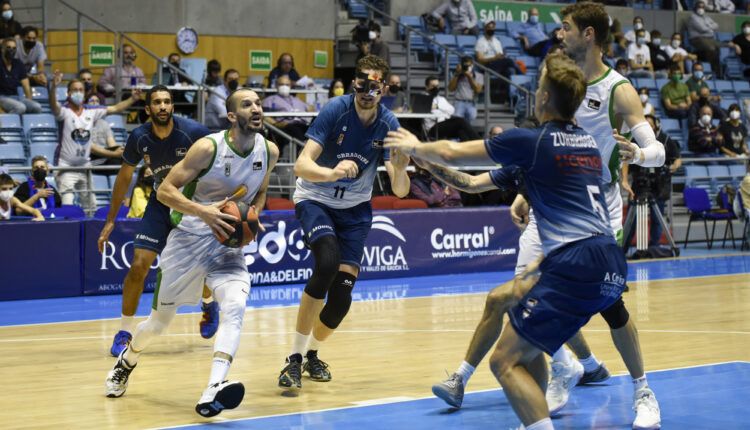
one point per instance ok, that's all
(315, 364)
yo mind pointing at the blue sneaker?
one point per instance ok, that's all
(210, 321)
(121, 341)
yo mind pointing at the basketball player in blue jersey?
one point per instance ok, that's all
(336, 171)
(160, 143)
(584, 270)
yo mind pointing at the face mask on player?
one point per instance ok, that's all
(371, 84)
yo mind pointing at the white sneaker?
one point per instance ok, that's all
(647, 413)
(220, 396)
(564, 378)
(117, 378)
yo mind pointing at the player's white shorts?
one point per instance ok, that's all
(614, 205)
(529, 245)
(188, 260)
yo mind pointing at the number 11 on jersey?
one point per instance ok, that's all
(339, 192)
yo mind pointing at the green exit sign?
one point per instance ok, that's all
(260, 60)
(101, 55)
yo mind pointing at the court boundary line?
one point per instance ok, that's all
(360, 301)
(207, 423)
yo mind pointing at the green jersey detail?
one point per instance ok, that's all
(188, 191)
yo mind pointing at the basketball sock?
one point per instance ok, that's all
(563, 356)
(300, 343)
(465, 370)
(130, 356)
(545, 424)
(640, 383)
(314, 344)
(208, 299)
(590, 363)
(127, 323)
(219, 370)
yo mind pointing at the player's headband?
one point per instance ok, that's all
(372, 85)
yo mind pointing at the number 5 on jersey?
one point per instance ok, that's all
(594, 192)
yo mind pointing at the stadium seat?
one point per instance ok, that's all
(102, 212)
(409, 204)
(724, 36)
(697, 177)
(737, 171)
(117, 124)
(40, 127)
(383, 202)
(12, 154)
(550, 27)
(719, 174)
(411, 21)
(11, 129)
(724, 87)
(279, 204)
(62, 93)
(44, 148)
(65, 211)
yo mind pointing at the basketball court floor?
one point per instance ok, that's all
(400, 337)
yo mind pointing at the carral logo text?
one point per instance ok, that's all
(446, 241)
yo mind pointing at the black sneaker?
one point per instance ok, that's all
(316, 368)
(117, 378)
(291, 374)
(600, 374)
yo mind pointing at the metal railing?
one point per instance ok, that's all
(446, 51)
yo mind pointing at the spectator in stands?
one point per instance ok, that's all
(622, 67)
(104, 149)
(659, 58)
(216, 108)
(336, 88)
(75, 144)
(648, 108)
(701, 30)
(531, 34)
(464, 84)
(129, 74)
(12, 76)
(704, 138)
(400, 104)
(284, 67)
(734, 133)
(675, 95)
(697, 81)
(489, 52)
(704, 99)
(719, 6)
(9, 27)
(144, 186)
(639, 57)
(374, 44)
(213, 74)
(677, 53)
(425, 187)
(461, 15)
(36, 192)
(741, 46)
(283, 101)
(494, 131)
(85, 76)
(32, 55)
(171, 77)
(632, 34)
(9, 203)
(446, 126)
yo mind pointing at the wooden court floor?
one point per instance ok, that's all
(53, 375)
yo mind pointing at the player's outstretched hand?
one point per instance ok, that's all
(217, 220)
(399, 160)
(629, 152)
(345, 169)
(403, 140)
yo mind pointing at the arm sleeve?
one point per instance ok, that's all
(652, 150)
(132, 154)
(321, 128)
(514, 147)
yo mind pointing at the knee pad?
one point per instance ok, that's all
(233, 303)
(339, 300)
(616, 315)
(327, 259)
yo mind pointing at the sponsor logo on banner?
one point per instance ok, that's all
(385, 258)
(465, 245)
(273, 248)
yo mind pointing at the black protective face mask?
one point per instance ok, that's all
(10, 53)
(489, 32)
(176, 65)
(233, 84)
(87, 86)
(39, 174)
(29, 44)
(394, 88)
(434, 91)
(148, 181)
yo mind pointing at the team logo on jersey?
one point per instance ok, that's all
(340, 139)
(378, 144)
(80, 136)
(258, 165)
(147, 159)
(594, 104)
(227, 169)
(180, 152)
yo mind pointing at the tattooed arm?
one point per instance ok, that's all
(472, 184)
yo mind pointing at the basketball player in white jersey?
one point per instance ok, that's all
(196, 189)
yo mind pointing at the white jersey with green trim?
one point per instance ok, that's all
(596, 115)
(228, 171)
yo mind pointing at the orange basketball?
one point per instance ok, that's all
(245, 229)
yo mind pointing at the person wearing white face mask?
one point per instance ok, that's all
(677, 53)
(639, 57)
(284, 101)
(8, 203)
(648, 108)
(374, 45)
(9, 27)
(741, 46)
(630, 35)
(702, 34)
(704, 138)
(75, 146)
(734, 133)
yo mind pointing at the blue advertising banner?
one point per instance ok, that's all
(40, 259)
(105, 273)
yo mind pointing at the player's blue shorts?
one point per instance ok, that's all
(154, 227)
(577, 281)
(350, 226)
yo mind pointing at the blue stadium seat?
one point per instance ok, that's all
(532, 63)
(61, 93)
(418, 43)
(724, 87)
(728, 100)
(12, 154)
(117, 124)
(501, 28)
(40, 127)
(551, 26)
(719, 173)
(724, 36)
(697, 176)
(411, 21)
(101, 189)
(737, 171)
(510, 46)
(11, 129)
(706, 67)
(464, 41)
(44, 148)
(513, 26)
